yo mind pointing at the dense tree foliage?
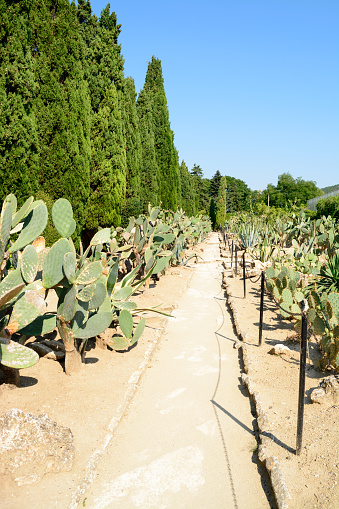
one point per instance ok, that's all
(238, 195)
(61, 105)
(188, 191)
(328, 207)
(133, 142)
(19, 151)
(289, 191)
(214, 186)
(166, 154)
(149, 166)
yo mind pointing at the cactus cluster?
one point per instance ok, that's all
(324, 316)
(21, 297)
(284, 284)
(93, 286)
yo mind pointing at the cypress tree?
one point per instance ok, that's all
(19, 152)
(187, 190)
(221, 203)
(133, 142)
(168, 166)
(215, 183)
(108, 184)
(104, 73)
(149, 166)
(61, 105)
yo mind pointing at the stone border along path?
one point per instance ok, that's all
(187, 434)
(271, 463)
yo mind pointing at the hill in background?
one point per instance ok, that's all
(329, 189)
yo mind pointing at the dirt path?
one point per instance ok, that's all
(187, 440)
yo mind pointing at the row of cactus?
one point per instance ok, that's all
(285, 285)
(90, 294)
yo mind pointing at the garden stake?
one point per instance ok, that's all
(236, 260)
(301, 401)
(232, 255)
(261, 305)
(243, 273)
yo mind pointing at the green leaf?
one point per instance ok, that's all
(123, 293)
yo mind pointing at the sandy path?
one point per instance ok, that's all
(187, 440)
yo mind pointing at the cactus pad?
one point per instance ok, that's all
(29, 264)
(90, 273)
(14, 355)
(53, 271)
(126, 323)
(62, 215)
(94, 326)
(34, 225)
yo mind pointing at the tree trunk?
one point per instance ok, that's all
(73, 358)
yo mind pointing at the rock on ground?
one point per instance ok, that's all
(31, 446)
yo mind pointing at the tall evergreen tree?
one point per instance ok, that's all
(214, 186)
(108, 185)
(133, 142)
(166, 155)
(19, 152)
(104, 74)
(149, 166)
(202, 190)
(61, 105)
(221, 203)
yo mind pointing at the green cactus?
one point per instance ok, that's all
(16, 356)
(34, 224)
(62, 215)
(53, 271)
(29, 264)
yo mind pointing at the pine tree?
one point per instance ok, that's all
(61, 105)
(221, 204)
(166, 155)
(108, 183)
(133, 142)
(19, 148)
(149, 166)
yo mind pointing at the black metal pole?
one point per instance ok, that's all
(262, 291)
(236, 260)
(301, 401)
(244, 273)
(232, 255)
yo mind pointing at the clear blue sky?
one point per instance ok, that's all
(252, 85)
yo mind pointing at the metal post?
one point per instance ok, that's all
(236, 260)
(261, 305)
(301, 401)
(244, 273)
(232, 255)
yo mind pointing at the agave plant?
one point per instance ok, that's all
(328, 280)
(249, 235)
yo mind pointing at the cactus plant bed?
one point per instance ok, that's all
(313, 477)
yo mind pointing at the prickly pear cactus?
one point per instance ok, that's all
(284, 286)
(14, 355)
(324, 317)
